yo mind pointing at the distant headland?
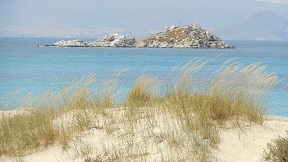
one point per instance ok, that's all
(191, 36)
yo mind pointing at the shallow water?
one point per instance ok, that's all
(25, 66)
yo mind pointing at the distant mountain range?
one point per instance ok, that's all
(139, 18)
(265, 25)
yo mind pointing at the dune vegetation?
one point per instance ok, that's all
(160, 120)
(277, 149)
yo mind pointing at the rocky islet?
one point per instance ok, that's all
(191, 36)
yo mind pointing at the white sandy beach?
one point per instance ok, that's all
(236, 145)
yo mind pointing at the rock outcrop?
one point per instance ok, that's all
(191, 36)
(70, 43)
(113, 40)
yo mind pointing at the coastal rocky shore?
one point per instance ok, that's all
(191, 36)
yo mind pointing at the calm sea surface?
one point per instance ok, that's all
(26, 67)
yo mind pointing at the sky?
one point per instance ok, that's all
(276, 1)
(91, 18)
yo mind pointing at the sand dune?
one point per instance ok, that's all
(239, 145)
(248, 144)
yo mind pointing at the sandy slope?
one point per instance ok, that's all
(248, 144)
(236, 145)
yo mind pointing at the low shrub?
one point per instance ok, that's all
(277, 150)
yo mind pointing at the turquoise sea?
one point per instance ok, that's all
(27, 67)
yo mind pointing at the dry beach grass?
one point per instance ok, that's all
(182, 119)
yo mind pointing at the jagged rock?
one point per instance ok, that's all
(113, 40)
(192, 36)
(163, 45)
(70, 43)
(141, 44)
(171, 28)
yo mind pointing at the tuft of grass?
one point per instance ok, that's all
(277, 150)
(231, 91)
(142, 90)
(23, 133)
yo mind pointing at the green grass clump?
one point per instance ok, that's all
(141, 94)
(23, 132)
(277, 150)
(187, 109)
(142, 90)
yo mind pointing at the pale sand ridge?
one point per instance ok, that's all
(238, 145)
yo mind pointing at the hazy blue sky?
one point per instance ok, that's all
(92, 17)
